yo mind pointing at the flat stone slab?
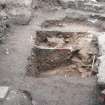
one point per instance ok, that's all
(3, 92)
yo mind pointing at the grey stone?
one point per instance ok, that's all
(3, 92)
(16, 97)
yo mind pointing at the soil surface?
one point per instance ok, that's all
(53, 90)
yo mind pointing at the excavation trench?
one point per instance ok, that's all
(71, 53)
(66, 46)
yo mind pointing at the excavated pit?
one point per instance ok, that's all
(67, 46)
(57, 52)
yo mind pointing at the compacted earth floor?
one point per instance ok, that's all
(48, 90)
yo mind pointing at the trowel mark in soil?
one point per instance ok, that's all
(64, 53)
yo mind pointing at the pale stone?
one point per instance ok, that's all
(101, 69)
(3, 92)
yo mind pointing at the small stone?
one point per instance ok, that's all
(73, 66)
(67, 36)
(86, 74)
(3, 92)
(66, 40)
(7, 52)
(103, 92)
(60, 36)
(81, 70)
(52, 44)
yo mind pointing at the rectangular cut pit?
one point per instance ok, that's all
(54, 49)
